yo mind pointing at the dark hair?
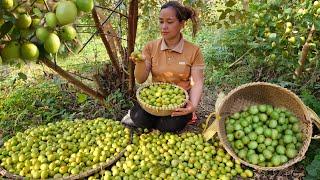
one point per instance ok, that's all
(183, 13)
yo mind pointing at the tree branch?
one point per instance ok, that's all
(77, 83)
(109, 9)
(106, 43)
(304, 54)
(240, 58)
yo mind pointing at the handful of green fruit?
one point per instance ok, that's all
(162, 95)
(136, 56)
(264, 135)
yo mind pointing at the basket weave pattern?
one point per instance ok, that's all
(159, 111)
(264, 93)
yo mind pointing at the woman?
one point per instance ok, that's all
(171, 59)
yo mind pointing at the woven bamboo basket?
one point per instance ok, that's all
(159, 111)
(82, 175)
(264, 93)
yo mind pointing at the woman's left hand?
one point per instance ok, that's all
(184, 111)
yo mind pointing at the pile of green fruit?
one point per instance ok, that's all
(172, 156)
(162, 95)
(264, 135)
(32, 28)
(64, 148)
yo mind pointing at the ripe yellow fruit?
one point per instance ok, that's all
(29, 51)
(68, 33)
(289, 25)
(52, 43)
(316, 4)
(24, 21)
(292, 40)
(7, 4)
(66, 12)
(35, 22)
(288, 30)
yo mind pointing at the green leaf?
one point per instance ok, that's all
(5, 28)
(273, 36)
(308, 3)
(81, 98)
(317, 25)
(22, 76)
(230, 3)
(226, 24)
(313, 169)
(232, 19)
(222, 15)
(288, 10)
(228, 10)
(308, 177)
(37, 12)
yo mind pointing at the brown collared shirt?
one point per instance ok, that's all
(172, 65)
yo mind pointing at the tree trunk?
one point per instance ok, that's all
(132, 30)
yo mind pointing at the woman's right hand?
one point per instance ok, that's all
(136, 57)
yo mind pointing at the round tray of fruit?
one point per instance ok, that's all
(64, 150)
(265, 126)
(161, 99)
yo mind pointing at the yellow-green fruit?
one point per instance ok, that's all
(289, 25)
(51, 19)
(42, 34)
(7, 4)
(316, 4)
(68, 33)
(85, 5)
(292, 40)
(35, 22)
(52, 43)
(24, 21)
(20, 10)
(29, 51)
(11, 51)
(66, 12)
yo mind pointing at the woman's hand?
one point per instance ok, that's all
(136, 57)
(184, 111)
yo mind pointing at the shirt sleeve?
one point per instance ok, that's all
(198, 62)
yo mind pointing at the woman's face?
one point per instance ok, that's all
(169, 24)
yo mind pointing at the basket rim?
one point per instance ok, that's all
(265, 84)
(161, 108)
(301, 151)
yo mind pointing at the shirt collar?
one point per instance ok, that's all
(178, 48)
